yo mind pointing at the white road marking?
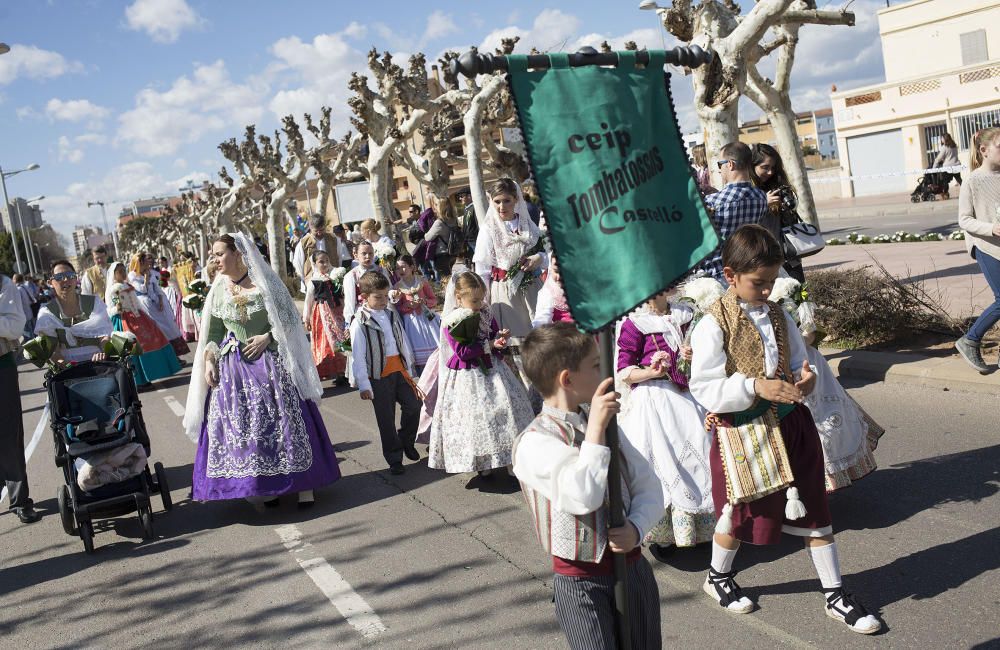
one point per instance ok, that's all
(35, 438)
(348, 602)
(174, 405)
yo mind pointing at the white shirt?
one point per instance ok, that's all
(575, 480)
(720, 393)
(12, 318)
(485, 259)
(359, 348)
(351, 288)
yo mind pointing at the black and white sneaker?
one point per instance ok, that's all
(844, 607)
(723, 589)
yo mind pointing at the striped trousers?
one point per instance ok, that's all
(585, 608)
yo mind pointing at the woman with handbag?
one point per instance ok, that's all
(768, 174)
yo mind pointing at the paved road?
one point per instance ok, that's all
(941, 217)
(443, 564)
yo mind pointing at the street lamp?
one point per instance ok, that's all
(37, 264)
(104, 215)
(4, 48)
(648, 5)
(6, 206)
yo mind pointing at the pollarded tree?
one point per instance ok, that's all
(334, 161)
(388, 115)
(737, 42)
(773, 97)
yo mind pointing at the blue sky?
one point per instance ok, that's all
(119, 100)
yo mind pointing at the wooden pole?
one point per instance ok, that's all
(617, 508)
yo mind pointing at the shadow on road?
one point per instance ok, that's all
(881, 500)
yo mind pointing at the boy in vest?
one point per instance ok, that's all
(561, 460)
(382, 362)
(750, 372)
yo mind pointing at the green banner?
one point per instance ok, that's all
(623, 210)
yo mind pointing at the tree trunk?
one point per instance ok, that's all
(275, 224)
(720, 127)
(379, 171)
(473, 121)
(783, 123)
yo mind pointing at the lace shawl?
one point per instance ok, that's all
(497, 245)
(286, 330)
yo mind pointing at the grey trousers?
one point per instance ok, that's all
(388, 392)
(585, 608)
(12, 469)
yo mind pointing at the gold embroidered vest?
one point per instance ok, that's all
(742, 341)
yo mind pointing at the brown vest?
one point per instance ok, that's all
(309, 245)
(742, 341)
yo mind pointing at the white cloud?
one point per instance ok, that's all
(551, 31)
(91, 138)
(439, 25)
(75, 110)
(120, 185)
(67, 152)
(31, 62)
(191, 108)
(26, 113)
(163, 20)
(315, 74)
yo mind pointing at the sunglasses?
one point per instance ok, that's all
(64, 276)
(722, 163)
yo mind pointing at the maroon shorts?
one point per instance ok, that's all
(760, 521)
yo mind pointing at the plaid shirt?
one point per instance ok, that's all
(738, 204)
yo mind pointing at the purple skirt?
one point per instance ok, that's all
(259, 438)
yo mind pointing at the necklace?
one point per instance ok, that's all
(235, 287)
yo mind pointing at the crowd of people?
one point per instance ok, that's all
(733, 429)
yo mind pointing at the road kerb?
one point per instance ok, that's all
(912, 369)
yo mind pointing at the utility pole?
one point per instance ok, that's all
(114, 231)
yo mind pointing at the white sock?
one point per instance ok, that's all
(722, 558)
(306, 496)
(827, 564)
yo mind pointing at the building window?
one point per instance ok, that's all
(969, 124)
(974, 47)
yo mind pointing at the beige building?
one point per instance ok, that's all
(942, 68)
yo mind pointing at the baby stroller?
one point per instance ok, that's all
(930, 185)
(94, 410)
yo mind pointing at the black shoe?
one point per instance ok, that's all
(661, 552)
(272, 503)
(411, 452)
(396, 469)
(341, 381)
(27, 514)
(305, 505)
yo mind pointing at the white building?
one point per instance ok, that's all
(81, 238)
(942, 69)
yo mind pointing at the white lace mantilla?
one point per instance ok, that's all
(260, 412)
(237, 308)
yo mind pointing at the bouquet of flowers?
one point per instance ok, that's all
(385, 255)
(343, 344)
(164, 279)
(463, 325)
(701, 294)
(517, 275)
(794, 299)
(39, 351)
(660, 361)
(197, 290)
(122, 344)
(337, 277)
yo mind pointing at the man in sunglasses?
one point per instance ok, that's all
(738, 203)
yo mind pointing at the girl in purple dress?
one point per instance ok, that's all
(473, 374)
(661, 419)
(253, 402)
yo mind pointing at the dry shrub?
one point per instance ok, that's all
(868, 306)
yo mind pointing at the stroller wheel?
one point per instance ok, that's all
(66, 511)
(87, 534)
(163, 487)
(146, 519)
